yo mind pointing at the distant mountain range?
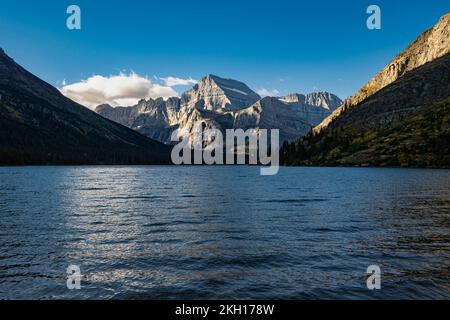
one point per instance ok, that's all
(38, 125)
(224, 104)
(401, 117)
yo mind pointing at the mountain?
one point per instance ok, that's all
(38, 126)
(271, 113)
(221, 95)
(314, 107)
(223, 104)
(431, 44)
(405, 124)
(154, 118)
(400, 118)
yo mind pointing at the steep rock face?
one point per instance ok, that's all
(208, 99)
(294, 98)
(323, 100)
(38, 125)
(428, 83)
(271, 113)
(154, 118)
(224, 104)
(221, 95)
(430, 45)
(314, 107)
(407, 123)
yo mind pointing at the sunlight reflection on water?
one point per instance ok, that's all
(223, 232)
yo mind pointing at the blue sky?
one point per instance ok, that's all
(289, 46)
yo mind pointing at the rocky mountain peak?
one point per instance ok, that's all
(218, 94)
(294, 98)
(324, 100)
(313, 107)
(430, 45)
(224, 104)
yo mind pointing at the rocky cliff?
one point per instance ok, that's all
(430, 45)
(217, 94)
(224, 104)
(406, 124)
(313, 107)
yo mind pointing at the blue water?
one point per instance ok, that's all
(224, 232)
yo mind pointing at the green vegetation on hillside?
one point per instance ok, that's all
(421, 139)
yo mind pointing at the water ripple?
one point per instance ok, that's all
(224, 232)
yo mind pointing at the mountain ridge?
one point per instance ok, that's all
(428, 46)
(314, 107)
(399, 118)
(222, 104)
(38, 125)
(405, 124)
(219, 94)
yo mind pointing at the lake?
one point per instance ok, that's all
(168, 232)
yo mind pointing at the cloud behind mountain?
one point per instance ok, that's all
(122, 89)
(174, 81)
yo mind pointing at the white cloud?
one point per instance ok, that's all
(116, 90)
(268, 93)
(174, 81)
